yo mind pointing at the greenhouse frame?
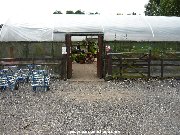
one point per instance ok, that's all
(35, 37)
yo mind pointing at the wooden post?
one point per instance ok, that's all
(52, 50)
(27, 49)
(110, 64)
(99, 56)
(121, 65)
(11, 50)
(33, 63)
(106, 64)
(149, 64)
(69, 61)
(63, 67)
(162, 66)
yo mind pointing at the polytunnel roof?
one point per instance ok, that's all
(125, 28)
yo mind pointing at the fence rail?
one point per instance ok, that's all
(59, 62)
(126, 63)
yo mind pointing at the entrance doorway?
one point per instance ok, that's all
(85, 71)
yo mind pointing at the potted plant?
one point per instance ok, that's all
(89, 58)
(80, 58)
(73, 57)
(92, 48)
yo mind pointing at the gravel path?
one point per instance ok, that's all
(85, 72)
(118, 107)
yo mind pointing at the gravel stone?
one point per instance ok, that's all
(130, 107)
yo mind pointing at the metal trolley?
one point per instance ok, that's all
(40, 79)
(12, 76)
(8, 79)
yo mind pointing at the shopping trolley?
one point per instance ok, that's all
(40, 79)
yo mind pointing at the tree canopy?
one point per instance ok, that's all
(96, 13)
(163, 8)
(57, 12)
(76, 12)
(69, 12)
(79, 12)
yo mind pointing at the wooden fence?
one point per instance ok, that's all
(60, 63)
(136, 64)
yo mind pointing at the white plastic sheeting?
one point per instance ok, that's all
(27, 29)
(125, 28)
(165, 28)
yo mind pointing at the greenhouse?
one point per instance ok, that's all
(151, 40)
(122, 28)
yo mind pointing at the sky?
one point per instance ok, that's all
(10, 8)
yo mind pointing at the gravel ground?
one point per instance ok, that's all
(116, 107)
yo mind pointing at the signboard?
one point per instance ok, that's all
(64, 50)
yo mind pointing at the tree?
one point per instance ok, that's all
(91, 13)
(170, 7)
(133, 13)
(57, 12)
(79, 12)
(69, 12)
(96, 13)
(163, 8)
(152, 8)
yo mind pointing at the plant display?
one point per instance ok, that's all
(80, 58)
(89, 58)
(84, 51)
(92, 47)
(73, 57)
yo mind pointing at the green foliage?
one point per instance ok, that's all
(96, 13)
(80, 57)
(76, 12)
(69, 12)
(152, 8)
(73, 57)
(79, 12)
(163, 8)
(57, 12)
(143, 47)
(92, 47)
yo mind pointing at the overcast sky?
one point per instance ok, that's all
(46, 7)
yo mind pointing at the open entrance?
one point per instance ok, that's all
(85, 57)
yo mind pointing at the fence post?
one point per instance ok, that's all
(33, 63)
(149, 64)
(110, 64)
(106, 63)
(52, 50)
(162, 66)
(121, 65)
(63, 67)
(27, 49)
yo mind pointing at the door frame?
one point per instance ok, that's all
(100, 53)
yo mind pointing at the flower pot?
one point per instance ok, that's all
(82, 62)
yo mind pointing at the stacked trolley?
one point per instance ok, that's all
(11, 77)
(40, 78)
